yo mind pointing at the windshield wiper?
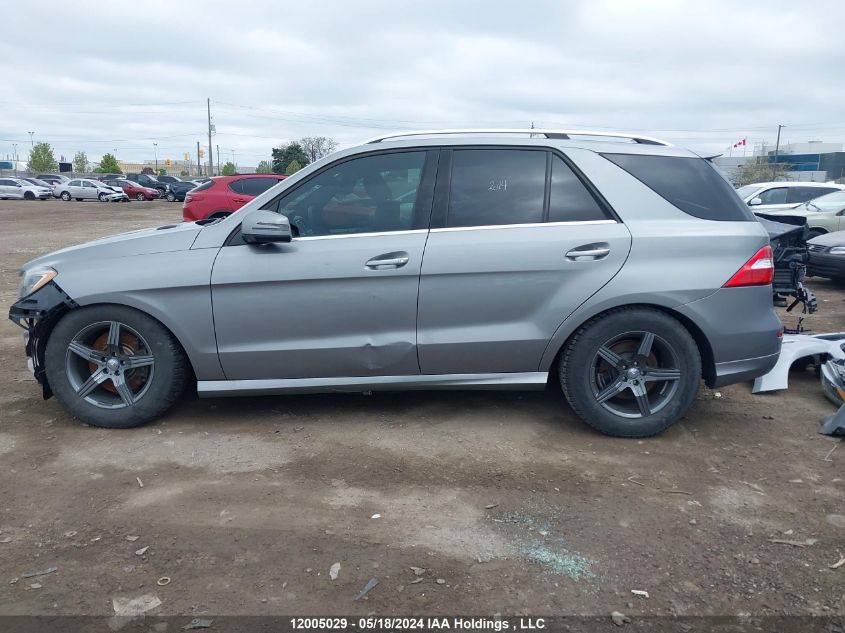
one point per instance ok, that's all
(816, 207)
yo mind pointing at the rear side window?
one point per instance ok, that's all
(802, 194)
(496, 186)
(569, 200)
(206, 185)
(252, 186)
(691, 184)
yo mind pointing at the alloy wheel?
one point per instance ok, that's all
(635, 374)
(109, 365)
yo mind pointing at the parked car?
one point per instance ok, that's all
(146, 180)
(825, 214)
(88, 189)
(766, 197)
(54, 179)
(176, 191)
(105, 177)
(38, 183)
(10, 188)
(35, 192)
(827, 256)
(168, 180)
(133, 189)
(222, 195)
(625, 270)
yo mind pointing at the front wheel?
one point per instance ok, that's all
(114, 367)
(29, 196)
(632, 372)
(102, 197)
(140, 196)
(171, 197)
(65, 196)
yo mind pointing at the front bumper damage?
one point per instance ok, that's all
(37, 313)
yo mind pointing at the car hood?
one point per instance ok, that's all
(162, 239)
(830, 239)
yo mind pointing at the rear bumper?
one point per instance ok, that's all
(743, 370)
(742, 331)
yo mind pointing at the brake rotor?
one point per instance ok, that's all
(627, 349)
(129, 346)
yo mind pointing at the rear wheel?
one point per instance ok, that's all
(140, 196)
(171, 197)
(114, 367)
(65, 196)
(631, 373)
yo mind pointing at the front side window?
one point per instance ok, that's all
(496, 186)
(363, 195)
(773, 196)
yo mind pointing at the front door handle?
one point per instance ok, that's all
(388, 260)
(589, 252)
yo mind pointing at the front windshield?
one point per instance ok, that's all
(828, 203)
(747, 190)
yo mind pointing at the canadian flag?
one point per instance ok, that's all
(740, 143)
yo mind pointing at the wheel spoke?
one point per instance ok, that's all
(123, 389)
(641, 395)
(88, 353)
(645, 344)
(114, 337)
(611, 390)
(611, 357)
(653, 375)
(93, 381)
(134, 362)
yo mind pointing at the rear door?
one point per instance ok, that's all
(341, 298)
(8, 188)
(245, 189)
(518, 241)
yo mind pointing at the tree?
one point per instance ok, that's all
(229, 169)
(108, 165)
(283, 156)
(759, 171)
(316, 147)
(293, 167)
(80, 163)
(264, 167)
(41, 158)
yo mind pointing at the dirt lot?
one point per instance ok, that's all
(507, 501)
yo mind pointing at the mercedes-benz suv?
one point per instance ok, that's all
(618, 266)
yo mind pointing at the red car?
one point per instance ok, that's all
(222, 195)
(133, 189)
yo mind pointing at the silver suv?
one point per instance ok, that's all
(619, 266)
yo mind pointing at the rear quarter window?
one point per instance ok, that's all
(690, 184)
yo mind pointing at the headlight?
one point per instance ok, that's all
(35, 279)
(837, 250)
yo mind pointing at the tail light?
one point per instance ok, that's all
(757, 271)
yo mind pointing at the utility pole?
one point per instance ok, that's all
(777, 151)
(199, 165)
(155, 150)
(218, 161)
(15, 158)
(210, 159)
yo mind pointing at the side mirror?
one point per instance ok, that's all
(265, 227)
(755, 201)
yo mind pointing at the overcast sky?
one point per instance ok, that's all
(699, 74)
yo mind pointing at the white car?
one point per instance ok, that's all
(88, 189)
(15, 188)
(35, 192)
(775, 196)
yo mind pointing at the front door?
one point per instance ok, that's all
(341, 298)
(521, 243)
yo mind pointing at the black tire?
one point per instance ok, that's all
(170, 197)
(101, 197)
(28, 195)
(140, 196)
(815, 233)
(80, 200)
(65, 196)
(586, 374)
(166, 376)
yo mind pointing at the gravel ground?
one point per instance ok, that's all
(475, 503)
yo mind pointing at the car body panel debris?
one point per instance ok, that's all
(41, 572)
(135, 606)
(371, 583)
(797, 346)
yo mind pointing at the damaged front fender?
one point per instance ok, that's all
(38, 313)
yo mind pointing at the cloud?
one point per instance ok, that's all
(698, 74)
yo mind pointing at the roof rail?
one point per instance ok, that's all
(551, 134)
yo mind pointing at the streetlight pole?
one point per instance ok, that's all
(155, 151)
(15, 156)
(777, 151)
(31, 142)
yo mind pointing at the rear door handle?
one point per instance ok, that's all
(388, 260)
(589, 252)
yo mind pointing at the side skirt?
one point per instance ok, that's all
(357, 384)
